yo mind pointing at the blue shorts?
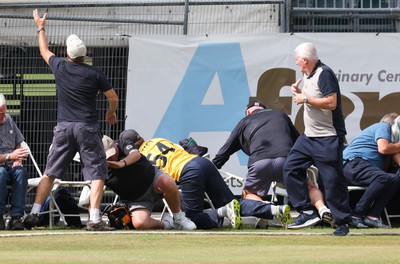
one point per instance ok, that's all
(72, 137)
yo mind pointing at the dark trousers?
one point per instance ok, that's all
(326, 154)
(255, 208)
(198, 176)
(381, 186)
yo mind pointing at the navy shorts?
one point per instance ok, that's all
(72, 137)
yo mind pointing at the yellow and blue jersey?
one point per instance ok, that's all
(170, 157)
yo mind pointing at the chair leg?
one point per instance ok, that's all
(274, 196)
(57, 209)
(165, 209)
(208, 200)
(387, 217)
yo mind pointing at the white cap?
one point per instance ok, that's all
(75, 47)
(109, 147)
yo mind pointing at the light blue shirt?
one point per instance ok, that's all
(365, 144)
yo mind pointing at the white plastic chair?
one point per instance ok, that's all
(34, 182)
(54, 209)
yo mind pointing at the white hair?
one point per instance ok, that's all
(2, 99)
(307, 50)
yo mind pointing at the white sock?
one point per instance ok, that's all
(36, 208)
(321, 209)
(274, 209)
(222, 211)
(94, 215)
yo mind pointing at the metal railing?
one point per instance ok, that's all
(344, 16)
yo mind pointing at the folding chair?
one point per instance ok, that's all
(54, 208)
(34, 182)
(82, 201)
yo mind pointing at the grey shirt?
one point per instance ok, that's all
(10, 136)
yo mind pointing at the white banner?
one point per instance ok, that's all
(198, 86)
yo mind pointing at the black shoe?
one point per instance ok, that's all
(16, 223)
(357, 222)
(30, 221)
(2, 224)
(304, 220)
(341, 230)
(375, 223)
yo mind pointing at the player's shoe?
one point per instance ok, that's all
(181, 222)
(305, 220)
(341, 230)
(326, 215)
(30, 221)
(233, 214)
(283, 215)
(100, 226)
(168, 221)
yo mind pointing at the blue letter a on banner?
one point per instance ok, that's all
(187, 113)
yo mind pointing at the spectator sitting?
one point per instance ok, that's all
(364, 165)
(11, 169)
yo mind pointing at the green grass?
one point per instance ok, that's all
(217, 246)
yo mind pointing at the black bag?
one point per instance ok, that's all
(67, 204)
(118, 216)
(190, 145)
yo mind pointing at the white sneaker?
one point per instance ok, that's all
(326, 215)
(168, 221)
(181, 222)
(233, 213)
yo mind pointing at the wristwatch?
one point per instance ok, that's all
(7, 157)
(305, 100)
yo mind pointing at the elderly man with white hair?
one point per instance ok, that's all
(12, 172)
(320, 145)
(364, 165)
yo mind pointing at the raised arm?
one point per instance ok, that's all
(43, 47)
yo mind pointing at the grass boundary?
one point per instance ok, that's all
(196, 233)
